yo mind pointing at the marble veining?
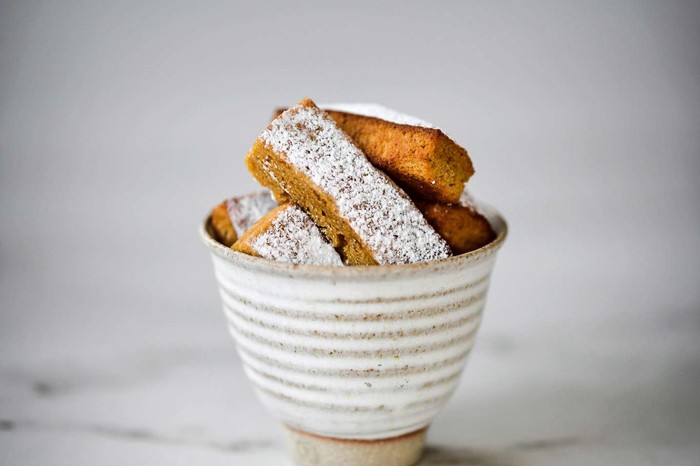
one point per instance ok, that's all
(135, 434)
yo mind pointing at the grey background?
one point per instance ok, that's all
(122, 123)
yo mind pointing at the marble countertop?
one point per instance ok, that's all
(133, 371)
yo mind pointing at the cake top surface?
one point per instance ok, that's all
(380, 213)
(377, 111)
(293, 237)
(244, 211)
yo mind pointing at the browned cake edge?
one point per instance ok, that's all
(222, 226)
(464, 228)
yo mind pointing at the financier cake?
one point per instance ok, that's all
(235, 215)
(461, 224)
(420, 158)
(287, 234)
(304, 156)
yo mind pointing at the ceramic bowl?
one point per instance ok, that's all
(355, 361)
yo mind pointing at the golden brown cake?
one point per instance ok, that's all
(287, 234)
(460, 224)
(234, 216)
(222, 226)
(420, 158)
(305, 156)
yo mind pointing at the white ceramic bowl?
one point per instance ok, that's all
(360, 353)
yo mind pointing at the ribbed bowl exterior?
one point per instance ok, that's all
(355, 352)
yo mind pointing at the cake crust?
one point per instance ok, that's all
(222, 226)
(460, 224)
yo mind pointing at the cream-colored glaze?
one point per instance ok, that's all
(355, 352)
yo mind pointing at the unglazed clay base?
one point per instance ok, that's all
(314, 450)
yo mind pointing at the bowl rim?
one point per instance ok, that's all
(495, 218)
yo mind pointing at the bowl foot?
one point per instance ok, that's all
(314, 450)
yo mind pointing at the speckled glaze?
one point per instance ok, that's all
(359, 353)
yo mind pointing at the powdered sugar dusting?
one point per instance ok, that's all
(380, 213)
(468, 201)
(246, 210)
(377, 111)
(293, 237)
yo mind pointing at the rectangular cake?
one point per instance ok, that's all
(460, 224)
(235, 215)
(303, 155)
(420, 158)
(287, 234)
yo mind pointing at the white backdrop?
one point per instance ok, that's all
(122, 123)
